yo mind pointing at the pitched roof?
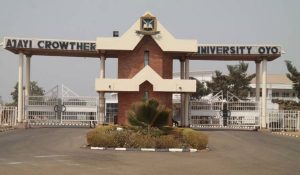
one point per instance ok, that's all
(166, 41)
(275, 79)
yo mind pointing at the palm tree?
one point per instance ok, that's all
(148, 114)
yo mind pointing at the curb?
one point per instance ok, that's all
(284, 134)
(58, 124)
(225, 127)
(6, 129)
(146, 149)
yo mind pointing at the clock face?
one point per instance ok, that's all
(148, 24)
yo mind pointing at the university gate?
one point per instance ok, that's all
(61, 109)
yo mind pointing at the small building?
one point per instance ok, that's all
(278, 87)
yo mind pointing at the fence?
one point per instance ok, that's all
(8, 115)
(283, 120)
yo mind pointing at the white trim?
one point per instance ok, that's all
(146, 74)
(148, 149)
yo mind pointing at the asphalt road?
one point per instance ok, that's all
(53, 151)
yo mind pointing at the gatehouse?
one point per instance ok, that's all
(145, 54)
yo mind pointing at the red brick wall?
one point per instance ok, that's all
(130, 63)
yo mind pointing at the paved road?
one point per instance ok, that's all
(57, 151)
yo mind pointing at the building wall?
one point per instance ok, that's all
(277, 93)
(130, 63)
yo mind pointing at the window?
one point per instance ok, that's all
(275, 94)
(146, 95)
(146, 58)
(111, 112)
(285, 94)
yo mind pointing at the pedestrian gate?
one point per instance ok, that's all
(56, 109)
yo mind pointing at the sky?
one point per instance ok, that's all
(274, 22)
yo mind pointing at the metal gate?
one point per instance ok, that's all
(218, 113)
(63, 109)
(283, 120)
(8, 116)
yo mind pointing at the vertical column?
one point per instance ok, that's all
(264, 94)
(182, 75)
(101, 94)
(20, 88)
(270, 91)
(186, 96)
(258, 77)
(27, 88)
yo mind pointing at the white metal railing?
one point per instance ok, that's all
(197, 121)
(8, 115)
(79, 109)
(242, 106)
(205, 113)
(252, 120)
(243, 113)
(42, 116)
(79, 116)
(80, 101)
(283, 120)
(42, 101)
(206, 105)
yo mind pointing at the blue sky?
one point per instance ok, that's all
(212, 21)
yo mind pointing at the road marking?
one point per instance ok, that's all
(61, 160)
(14, 163)
(102, 168)
(73, 164)
(49, 156)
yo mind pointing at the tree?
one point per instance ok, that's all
(35, 90)
(148, 114)
(236, 82)
(201, 90)
(219, 83)
(239, 80)
(294, 76)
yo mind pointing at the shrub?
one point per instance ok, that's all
(108, 136)
(144, 141)
(148, 114)
(101, 137)
(194, 139)
(167, 141)
(123, 138)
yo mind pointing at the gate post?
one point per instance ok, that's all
(27, 88)
(20, 88)
(186, 96)
(182, 74)
(263, 124)
(101, 94)
(298, 125)
(257, 88)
